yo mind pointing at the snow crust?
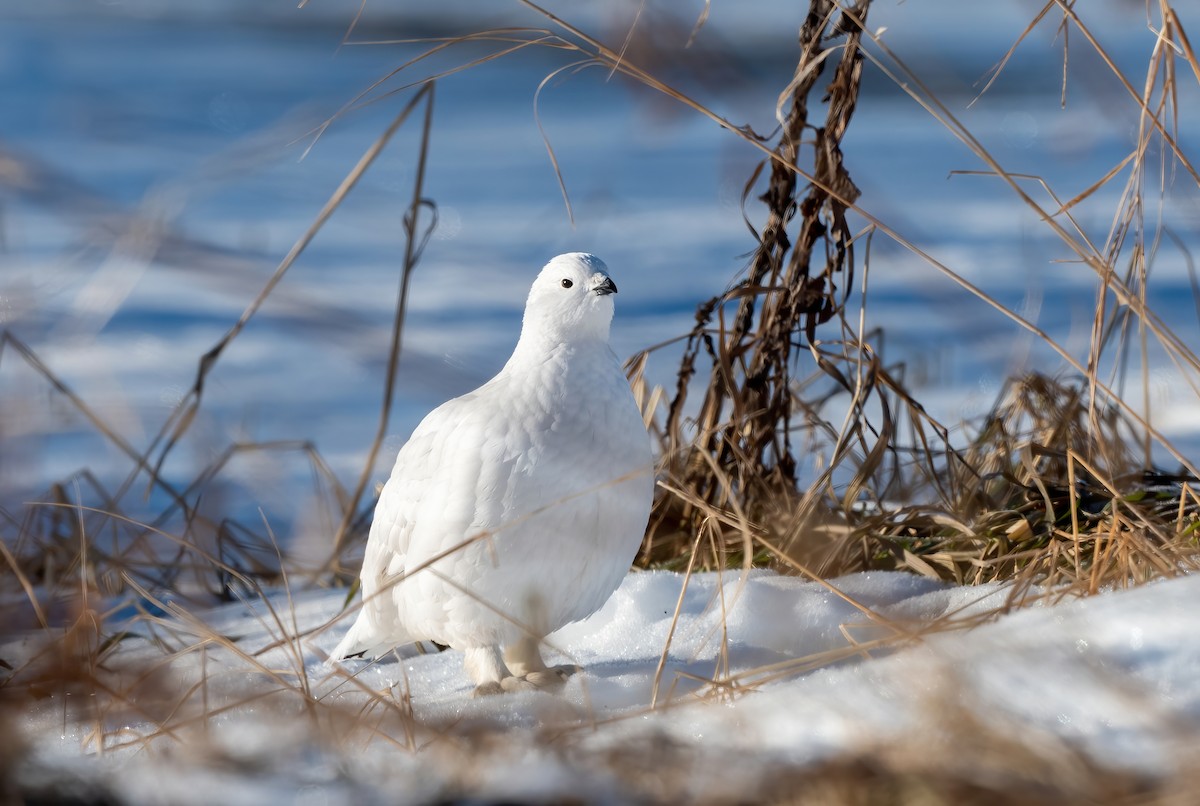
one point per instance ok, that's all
(763, 674)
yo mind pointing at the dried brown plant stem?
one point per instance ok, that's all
(414, 244)
(183, 415)
(745, 417)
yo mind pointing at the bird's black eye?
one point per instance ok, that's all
(567, 283)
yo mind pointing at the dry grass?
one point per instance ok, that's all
(1056, 486)
(1053, 491)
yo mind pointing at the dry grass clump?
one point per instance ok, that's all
(1020, 502)
(1025, 504)
(1057, 484)
(743, 427)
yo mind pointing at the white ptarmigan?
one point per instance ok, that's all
(516, 508)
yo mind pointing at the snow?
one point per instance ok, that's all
(763, 674)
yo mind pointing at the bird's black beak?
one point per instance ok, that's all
(607, 287)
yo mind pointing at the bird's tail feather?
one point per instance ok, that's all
(361, 640)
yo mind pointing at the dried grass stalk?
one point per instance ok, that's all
(745, 418)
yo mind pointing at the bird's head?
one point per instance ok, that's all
(571, 300)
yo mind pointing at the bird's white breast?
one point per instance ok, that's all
(548, 469)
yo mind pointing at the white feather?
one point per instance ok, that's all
(516, 508)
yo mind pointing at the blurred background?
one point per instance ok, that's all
(159, 159)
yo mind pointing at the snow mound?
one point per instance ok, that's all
(763, 676)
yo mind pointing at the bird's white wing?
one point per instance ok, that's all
(418, 484)
(452, 481)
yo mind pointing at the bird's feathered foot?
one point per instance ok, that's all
(552, 676)
(520, 669)
(546, 679)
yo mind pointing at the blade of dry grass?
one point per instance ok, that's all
(414, 245)
(183, 415)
